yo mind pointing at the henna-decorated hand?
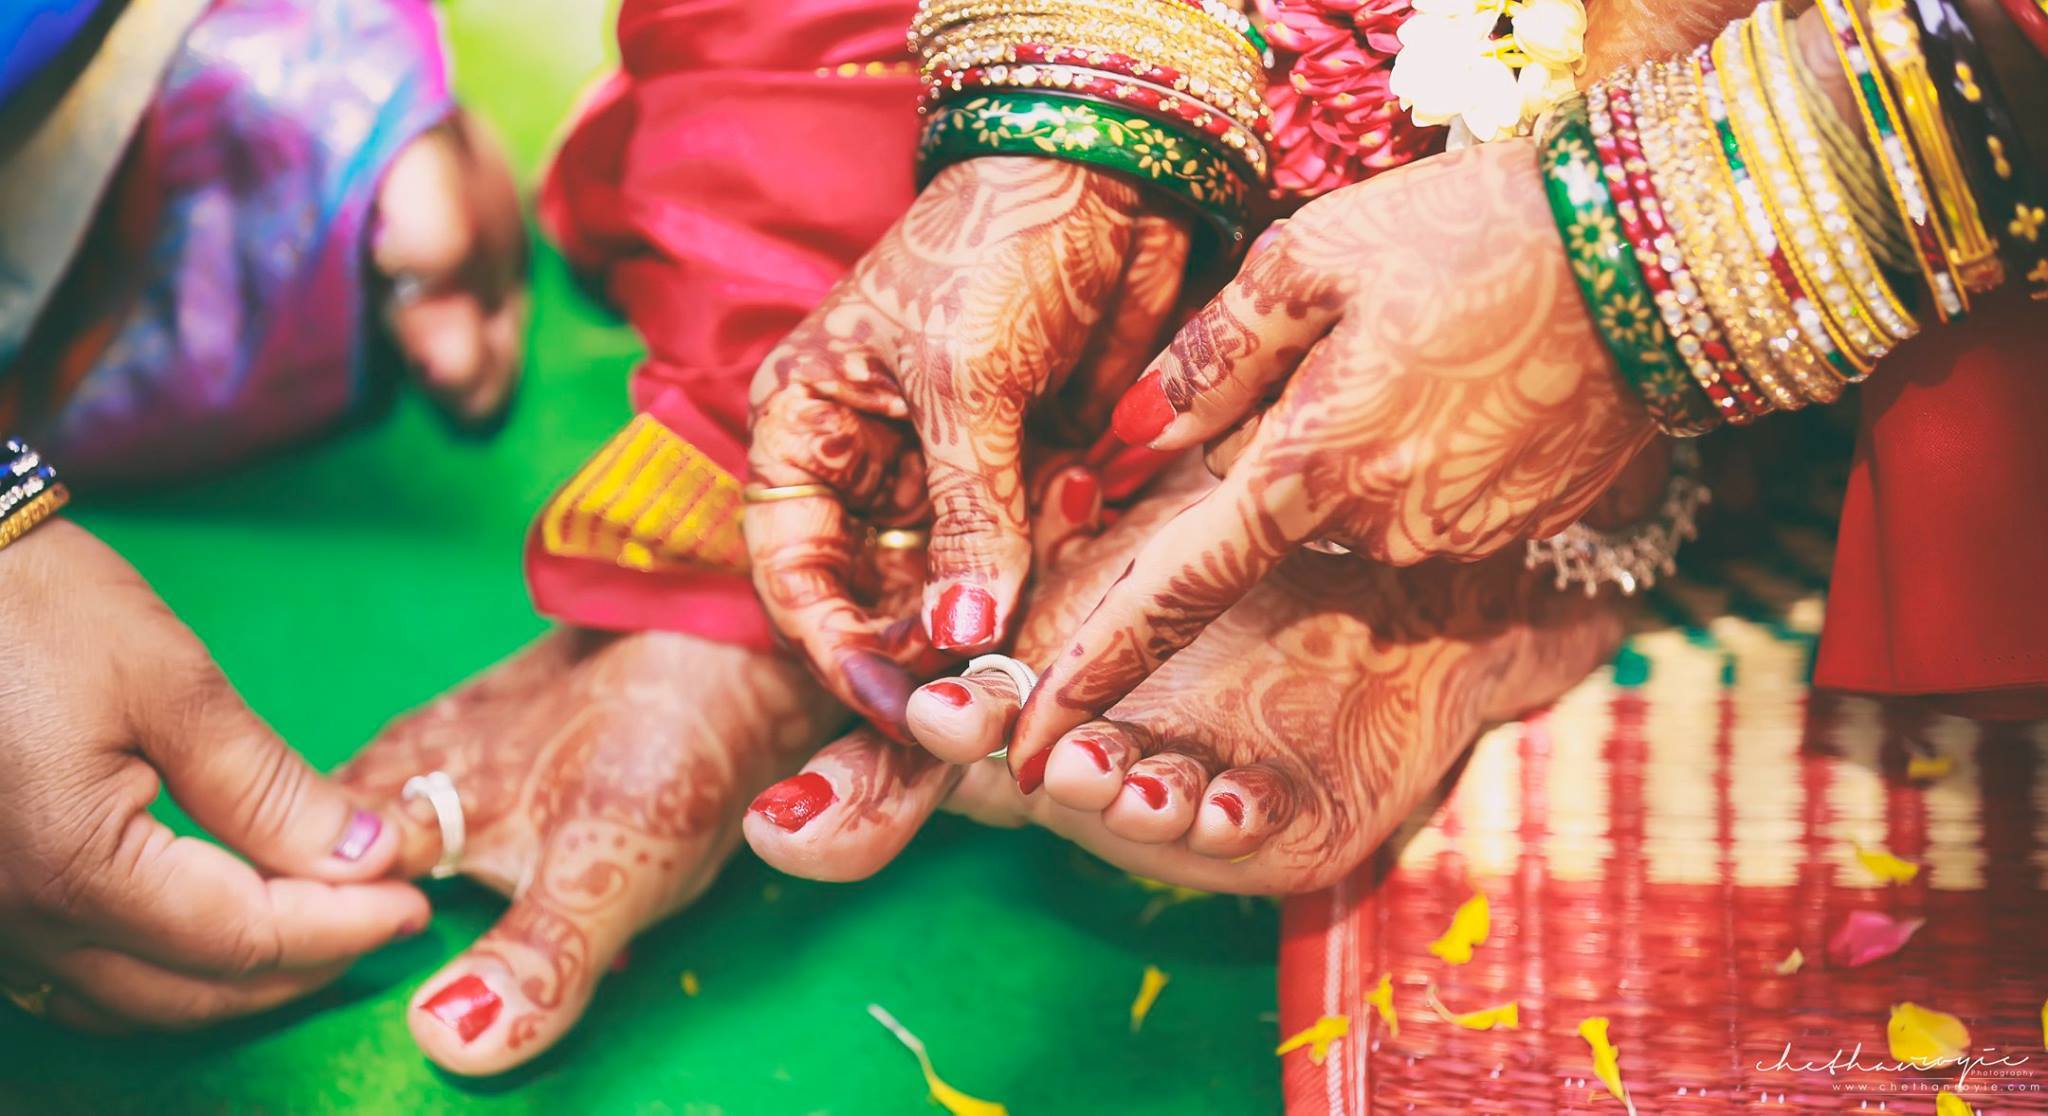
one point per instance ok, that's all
(1445, 394)
(986, 333)
(1273, 755)
(602, 780)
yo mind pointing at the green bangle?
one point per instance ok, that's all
(1611, 280)
(1080, 129)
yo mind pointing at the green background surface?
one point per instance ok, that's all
(344, 583)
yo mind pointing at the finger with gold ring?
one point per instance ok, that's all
(776, 493)
(899, 538)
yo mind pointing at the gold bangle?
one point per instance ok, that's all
(1200, 61)
(1972, 252)
(1789, 209)
(39, 507)
(1868, 293)
(1208, 72)
(1902, 171)
(1168, 16)
(1819, 377)
(775, 494)
(1698, 280)
(1683, 182)
(1251, 113)
(1756, 310)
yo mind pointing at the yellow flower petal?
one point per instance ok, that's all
(1317, 1036)
(949, 1098)
(1948, 1104)
(690, 985)
(1885, 866)
(1928, 768)
(1382, 1001)
(1469, 928)
(1791, 963)
(1148, 991)
(1606, 1059)
(2044, 1024)
(1925, 1037)
(1165, 895)
(1506, 1017)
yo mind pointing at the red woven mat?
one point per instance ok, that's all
(1652, 849)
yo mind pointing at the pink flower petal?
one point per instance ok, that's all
(1867, 936)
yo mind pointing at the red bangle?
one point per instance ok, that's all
(1713, 364)
(2032, 17)
(1159, 103)
(1600, 122)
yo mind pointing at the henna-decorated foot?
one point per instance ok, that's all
(1272, 755)
(602, 780)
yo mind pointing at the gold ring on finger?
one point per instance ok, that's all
(776, 493)
(899, 538)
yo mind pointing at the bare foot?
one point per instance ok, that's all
(602, 779)
(1273, 755)
(452, 245)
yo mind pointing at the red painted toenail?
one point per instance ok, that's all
(793, 802)
(1143, 412)
(1077, 496)
(467, 1005)
(1095, 752)
(1031, 773)
(966, 617)
(1232, 807)
(952, 693)
(1151, 790)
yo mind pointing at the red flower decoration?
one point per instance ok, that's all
(1334, 120)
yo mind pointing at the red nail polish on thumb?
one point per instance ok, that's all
(1079, 493)
(1144, 411)
(793, 802)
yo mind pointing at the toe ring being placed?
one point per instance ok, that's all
(439, 791)
(1022, 677)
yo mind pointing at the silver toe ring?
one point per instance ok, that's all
(1022, 677)
(439, 791)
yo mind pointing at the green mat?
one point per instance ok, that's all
(345, 583)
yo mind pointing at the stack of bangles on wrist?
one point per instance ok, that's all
(29, 491)
(1167, 93)
(1743, 249)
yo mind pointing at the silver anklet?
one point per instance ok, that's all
(1633, 556)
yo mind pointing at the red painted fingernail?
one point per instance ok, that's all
(1078, 493)
(793, 802)
(1151, 790)
(1143, 412)
(1232, 807)
(467, 1006)
(952, 693)
(1095, 752)
(363, 829)
(1031, 774)
(966, 617)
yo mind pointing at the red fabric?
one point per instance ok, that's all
(713, 190)
(1940, 584)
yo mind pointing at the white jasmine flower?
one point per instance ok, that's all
(1551, 32)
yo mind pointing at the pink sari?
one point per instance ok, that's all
(713, 190)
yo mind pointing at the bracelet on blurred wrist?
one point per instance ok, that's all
(29, 491)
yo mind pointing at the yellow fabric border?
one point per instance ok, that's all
(649, 500)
